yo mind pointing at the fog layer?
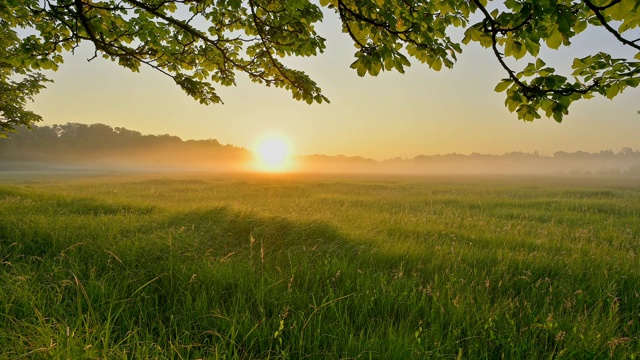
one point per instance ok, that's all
(98, 146)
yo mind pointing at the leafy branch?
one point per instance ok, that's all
(201, 42)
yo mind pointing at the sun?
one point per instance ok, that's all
(273, 153)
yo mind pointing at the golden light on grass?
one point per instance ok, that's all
(273, 153)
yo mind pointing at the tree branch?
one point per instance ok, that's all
(266, 46)
(605, 7)
(192, 31)
(530, 92)
(596, 10)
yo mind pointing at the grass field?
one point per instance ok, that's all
(302, 267)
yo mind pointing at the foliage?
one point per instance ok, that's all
(93, 145)
(19, 79)
(198, 43)
(124, 267)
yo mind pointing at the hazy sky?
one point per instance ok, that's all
(420, 112)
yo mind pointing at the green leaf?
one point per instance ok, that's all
(532, 47)
(580, 26)
(612, 90)
(361, 71)
(527, 113)
(375, 68)
(546, 71)
(557, 116)
(519, 50)
(503, 85)
(398, 64)
(554, 40)
(436, 64)
(530, 70)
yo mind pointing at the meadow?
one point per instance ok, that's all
(167, 266)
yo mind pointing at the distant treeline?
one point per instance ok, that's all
(78, 144)
(608, 162)
(100, 145)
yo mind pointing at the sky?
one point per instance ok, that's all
(391, 115)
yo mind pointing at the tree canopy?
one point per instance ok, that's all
(99, 145)
(199, 43)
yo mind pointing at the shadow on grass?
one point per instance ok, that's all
(232, 230)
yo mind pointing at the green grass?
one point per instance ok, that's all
(302, 267)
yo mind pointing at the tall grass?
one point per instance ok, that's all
(180, 267)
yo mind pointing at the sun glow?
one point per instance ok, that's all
(273, 153)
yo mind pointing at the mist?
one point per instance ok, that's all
(607, 162)
(98, 147)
